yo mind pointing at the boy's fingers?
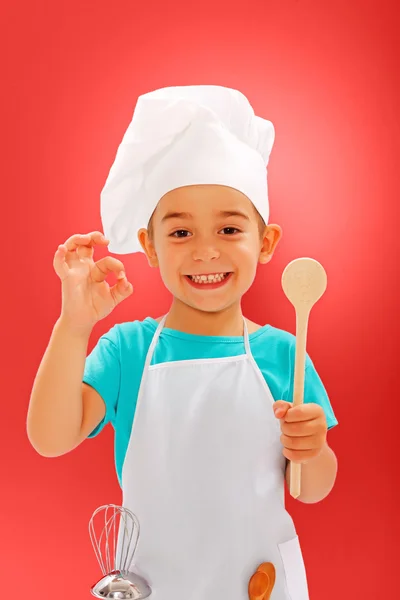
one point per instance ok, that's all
(308, 442)
(281, 408)
(301, 412)
(87, 239)
(59, 263)
(299, 429)
(121, 290)
(107, 265)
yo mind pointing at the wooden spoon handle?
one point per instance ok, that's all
(302, 315)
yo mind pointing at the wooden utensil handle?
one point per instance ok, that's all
(298, 386)
(295, 479)
(300, 360)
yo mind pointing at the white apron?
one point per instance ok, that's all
(204, 473)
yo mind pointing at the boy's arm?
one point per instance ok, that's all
(63, 410)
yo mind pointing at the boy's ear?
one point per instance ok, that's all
(148, 247)
(271, 236)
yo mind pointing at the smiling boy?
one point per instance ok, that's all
(199, 398)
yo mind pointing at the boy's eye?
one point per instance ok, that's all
(181, 233)
(230, 230)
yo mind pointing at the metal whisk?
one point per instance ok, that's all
(118, 581)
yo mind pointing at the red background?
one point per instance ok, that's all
(327, 76)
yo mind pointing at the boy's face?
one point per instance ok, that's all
(206, 241)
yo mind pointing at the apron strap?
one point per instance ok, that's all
(150, 351)
(246, 339)
(161, 326)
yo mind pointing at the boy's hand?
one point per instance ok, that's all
(86, 295)
(303, 429)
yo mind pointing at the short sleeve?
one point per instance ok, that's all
(103, 372)
(315, 392)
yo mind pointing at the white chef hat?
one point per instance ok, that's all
(181, 136)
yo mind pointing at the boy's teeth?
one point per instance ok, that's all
(216, 278)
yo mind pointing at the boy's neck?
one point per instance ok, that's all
(184, 318)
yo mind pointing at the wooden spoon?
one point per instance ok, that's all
(262, 582)
(304, 281)
(258, 586)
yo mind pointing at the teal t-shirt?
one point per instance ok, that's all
(114, 369)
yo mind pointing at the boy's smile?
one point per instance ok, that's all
(209, 281)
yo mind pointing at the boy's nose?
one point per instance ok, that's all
(205, 252)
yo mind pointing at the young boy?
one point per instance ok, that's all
(200, 399)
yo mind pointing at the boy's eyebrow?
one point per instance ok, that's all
(233, 213)
(186, 215)
(176, 215)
